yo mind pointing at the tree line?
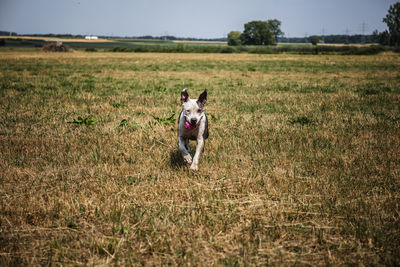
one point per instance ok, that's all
(333, 39)
(6, 33)
(269, 33)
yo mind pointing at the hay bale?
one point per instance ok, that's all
(57, 47)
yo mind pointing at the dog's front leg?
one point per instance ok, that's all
(185, 153)
(199, 149)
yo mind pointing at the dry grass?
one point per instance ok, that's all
(302, 166)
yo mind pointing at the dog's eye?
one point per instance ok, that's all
(199, 110)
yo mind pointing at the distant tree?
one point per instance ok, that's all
(374, 37)
(257, 33)
(234, 38)
(275, 27)
(392, 20)
(314, 40)
(384, 38)
(6, 33)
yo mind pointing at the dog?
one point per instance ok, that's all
(192, 125)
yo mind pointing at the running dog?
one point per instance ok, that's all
(192, 125)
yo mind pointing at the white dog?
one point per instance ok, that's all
(193, 125)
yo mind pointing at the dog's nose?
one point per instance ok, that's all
(193, 121)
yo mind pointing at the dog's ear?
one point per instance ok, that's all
(203, 98)
(184, 96)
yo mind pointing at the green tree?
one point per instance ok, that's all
(314, 40)
(275, 27)
(392, 20)
(257, 33)
(234, 38)
(384, 38)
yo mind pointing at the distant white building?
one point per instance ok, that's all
(91, 37)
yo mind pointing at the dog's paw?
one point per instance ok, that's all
(194, 167)
(188, 159)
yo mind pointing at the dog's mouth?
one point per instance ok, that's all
(190, 126)
(195, 123)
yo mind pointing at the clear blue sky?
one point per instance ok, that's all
(190, 18)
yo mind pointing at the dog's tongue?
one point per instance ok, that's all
(189, 126)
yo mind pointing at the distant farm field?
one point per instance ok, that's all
(302, 166)
(27, 43)
(102, 44)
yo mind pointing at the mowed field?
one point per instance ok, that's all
(302, 166)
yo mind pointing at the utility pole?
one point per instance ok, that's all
(347, 35)
(306, 37)
(364, 27)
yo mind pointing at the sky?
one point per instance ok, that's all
(190, 18)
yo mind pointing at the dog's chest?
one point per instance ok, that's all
(192, 134)
(201, 130)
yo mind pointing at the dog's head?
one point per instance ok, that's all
(193, 108)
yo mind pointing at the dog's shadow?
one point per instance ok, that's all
(176, 160)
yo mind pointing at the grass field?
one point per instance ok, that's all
(302, 166)
(102, 44)
(26, 43)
